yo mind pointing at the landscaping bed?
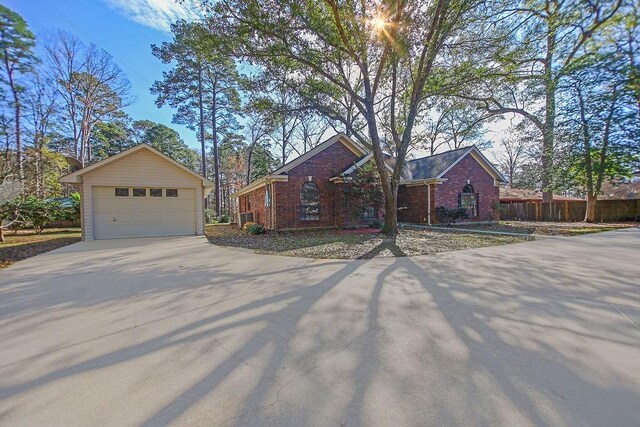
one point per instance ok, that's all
(354, 244)
(27, 243)
(543, 228)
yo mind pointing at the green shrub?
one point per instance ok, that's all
(450, 216)
(37, 213)
(253, 228)
(224, 218)
(376, 224)
(70, 210)
(210, 216)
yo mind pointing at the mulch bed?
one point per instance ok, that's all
(354, 244)
(545, 228)
(26, 244)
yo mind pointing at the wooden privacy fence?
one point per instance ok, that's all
(570, 211)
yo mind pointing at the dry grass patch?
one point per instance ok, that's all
(354, 244)
(27, 243)
(545, 228)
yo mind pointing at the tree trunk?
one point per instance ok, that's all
(389, 190)
(390, 227)
(548, 146)
(284, 143)
(19, 140)
(216, 159)
(590, 214)
(38, 171)
(548, 130)
(249, 159)
(2, 235)
(203, 151)
(16, 100)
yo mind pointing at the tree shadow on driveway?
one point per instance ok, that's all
(481, 337)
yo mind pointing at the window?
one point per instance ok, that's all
(369, 212)
(122, 192)
(310, 202)
(155, 192)
(468, 200)
(267, 196)
(172, 192)
(139, 192)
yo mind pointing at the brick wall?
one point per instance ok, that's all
(286, 195)
(320, 168)
(254, 202)
(412, 204)
(334, 212)
(469, 169)
(412, 201)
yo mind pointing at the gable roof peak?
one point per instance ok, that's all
(76, 177)
(352, 145)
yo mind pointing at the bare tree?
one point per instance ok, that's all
(513, 150)
(91, 85)
(41, 104)
(311, 130)
(258, 130)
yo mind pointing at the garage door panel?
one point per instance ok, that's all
(142, 216)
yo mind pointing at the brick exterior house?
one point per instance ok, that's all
(305, 193)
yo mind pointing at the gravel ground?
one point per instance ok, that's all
(354, 244)
(545, 228)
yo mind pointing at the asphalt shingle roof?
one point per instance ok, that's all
(432, 166)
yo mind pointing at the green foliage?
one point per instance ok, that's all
(450, 216)
(109, 138)
(17, 43)
(361, 191)
(167, 141)
(253, 228)
(210, 216)
(371, 80)
(71, 211)
(38, 213)
(601, 121)
(43, 169)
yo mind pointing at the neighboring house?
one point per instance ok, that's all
(139, 192)
(519, 195)
(305, 193)
(627, 190)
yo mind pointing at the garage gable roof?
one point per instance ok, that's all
(75, 177)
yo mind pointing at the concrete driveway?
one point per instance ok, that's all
(177, 331)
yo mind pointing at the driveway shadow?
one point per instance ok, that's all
(476, 338)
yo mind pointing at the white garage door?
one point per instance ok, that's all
(120, 212)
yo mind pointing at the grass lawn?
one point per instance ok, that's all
(546, 228)
(27, 243)
(353, 244)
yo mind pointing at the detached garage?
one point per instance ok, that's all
(140, 192)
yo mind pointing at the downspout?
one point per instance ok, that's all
(428, 204)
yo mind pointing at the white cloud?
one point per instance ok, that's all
(158, 14)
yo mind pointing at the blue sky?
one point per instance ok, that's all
(124, 28)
